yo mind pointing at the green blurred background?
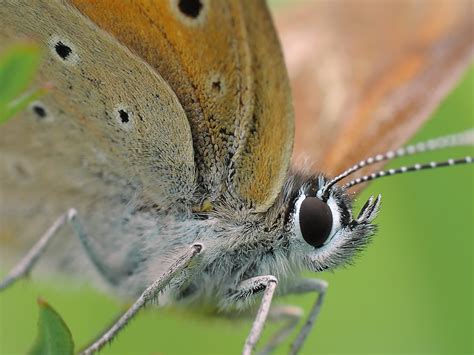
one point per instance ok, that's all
(409, 292)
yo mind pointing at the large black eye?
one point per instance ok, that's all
(315, 221)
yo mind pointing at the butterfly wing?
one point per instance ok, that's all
(117, 131)
(111, 128)
(365, 78)
(223, 61)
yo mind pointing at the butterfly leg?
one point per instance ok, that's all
(149, 294)
(305, 286)
(293, 315)
(245, 290)
(30, 259)
(288, 314)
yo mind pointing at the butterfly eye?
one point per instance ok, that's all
(315, 219)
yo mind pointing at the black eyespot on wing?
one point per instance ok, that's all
(315, 219)
(62, 50)
(216, 86)
(190, 8)
(39, 111)
(124, 116)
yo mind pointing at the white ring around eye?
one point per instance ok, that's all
(336, 219)
(296, 218)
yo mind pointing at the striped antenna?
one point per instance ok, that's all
(407, 169)
(459, 139)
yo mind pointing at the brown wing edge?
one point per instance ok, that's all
(386, 104)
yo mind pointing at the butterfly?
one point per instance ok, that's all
(239, 181)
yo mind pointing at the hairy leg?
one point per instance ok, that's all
(246, 290)
(150, 293)
(249, 288)
(24, 266)
(305, 286)
(290, 315)
(29, 260)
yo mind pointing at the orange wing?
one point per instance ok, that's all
(366, 76)
(223, 61)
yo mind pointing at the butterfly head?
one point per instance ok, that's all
(322, 226)
(321, 210)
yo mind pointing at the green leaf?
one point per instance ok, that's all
(53, 336)
(20, 104)
(18, 66)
